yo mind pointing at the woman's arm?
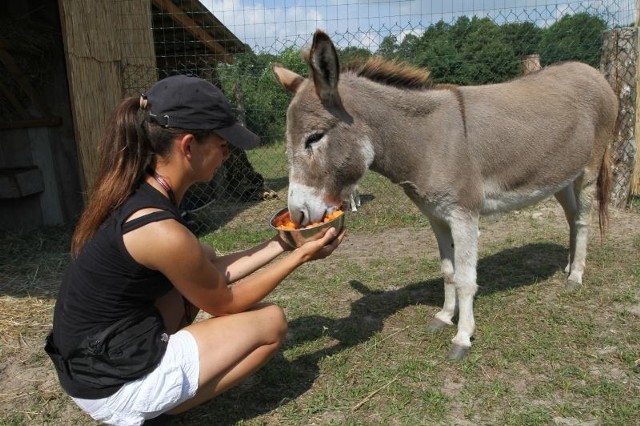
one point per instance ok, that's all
(171, 249)
(257, 286)
(238, 265)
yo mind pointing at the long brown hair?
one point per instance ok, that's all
(126, 150)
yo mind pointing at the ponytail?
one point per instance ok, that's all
(124, 152)
(129, 146)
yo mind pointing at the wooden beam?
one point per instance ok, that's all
(28, 124)
(196, 30)
(173, 62)
(218, 30)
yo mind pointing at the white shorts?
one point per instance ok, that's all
(172, 382)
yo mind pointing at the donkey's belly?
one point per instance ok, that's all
(499, 201)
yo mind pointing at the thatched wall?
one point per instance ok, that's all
(106, 43)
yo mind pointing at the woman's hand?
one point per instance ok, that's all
(322, 247)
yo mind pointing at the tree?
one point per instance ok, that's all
(573, 37)
(471, 51)
(388, 47)
(264, 101)
(353, 55)
(435, 50)
(523, 37)
(487, 58)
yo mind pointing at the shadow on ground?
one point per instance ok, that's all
(282, 380)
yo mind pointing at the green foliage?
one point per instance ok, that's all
(250, 84)
(352, 54)
(487, 58)
(523, 38)
(573, 37)
(467, 52)
(388, 47)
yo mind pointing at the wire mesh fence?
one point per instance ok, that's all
(461, 42)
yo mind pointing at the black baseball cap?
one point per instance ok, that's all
(191, 103)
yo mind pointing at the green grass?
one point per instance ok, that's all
(359, 352)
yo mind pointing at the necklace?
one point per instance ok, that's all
(165, 185)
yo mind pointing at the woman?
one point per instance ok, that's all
(123, 341)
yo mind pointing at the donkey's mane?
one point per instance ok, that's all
(392, 73)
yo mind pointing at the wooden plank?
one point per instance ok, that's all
(18, 183)
(28, 124)
(215, 27)
(192, 27)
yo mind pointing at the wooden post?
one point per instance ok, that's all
(618, 64)
(531, 63)
(635, 179)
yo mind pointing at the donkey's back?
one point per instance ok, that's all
(532, 136)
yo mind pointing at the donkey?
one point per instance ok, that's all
(458, 153)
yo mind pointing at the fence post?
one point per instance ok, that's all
(635, 178)
(531, 63)
(618, 64)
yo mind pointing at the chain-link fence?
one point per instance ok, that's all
(463, 42)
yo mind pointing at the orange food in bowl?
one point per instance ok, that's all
(284, 222)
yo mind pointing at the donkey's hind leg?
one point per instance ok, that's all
(444, 318)
(584, 187)
(567, 199)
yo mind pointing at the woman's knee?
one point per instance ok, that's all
(275, 320)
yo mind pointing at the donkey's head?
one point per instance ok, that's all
(328, 152)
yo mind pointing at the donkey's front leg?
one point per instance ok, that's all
(464, 230)
(442, 232)
(567, 199)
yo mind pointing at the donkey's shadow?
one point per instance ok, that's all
(282, 380)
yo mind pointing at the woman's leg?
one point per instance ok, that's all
(233, 347)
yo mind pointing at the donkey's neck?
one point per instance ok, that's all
(396, 123)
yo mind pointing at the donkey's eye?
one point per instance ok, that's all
(311, 139)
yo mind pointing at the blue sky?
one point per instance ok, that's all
(270, 25)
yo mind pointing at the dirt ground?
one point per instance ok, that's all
(29, 390)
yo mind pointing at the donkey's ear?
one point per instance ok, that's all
(325, 68)
(287, 78)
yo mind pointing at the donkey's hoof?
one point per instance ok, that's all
(457, 352)
(437, 324)
(573, 285)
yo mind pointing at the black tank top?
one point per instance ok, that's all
(105, 284)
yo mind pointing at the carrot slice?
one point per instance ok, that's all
(284, 221)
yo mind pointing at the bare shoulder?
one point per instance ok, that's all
(157, 244)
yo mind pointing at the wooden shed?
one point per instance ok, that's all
(64, 66)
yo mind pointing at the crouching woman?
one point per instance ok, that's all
(123, 342)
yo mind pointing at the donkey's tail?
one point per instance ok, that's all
(603, 191)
